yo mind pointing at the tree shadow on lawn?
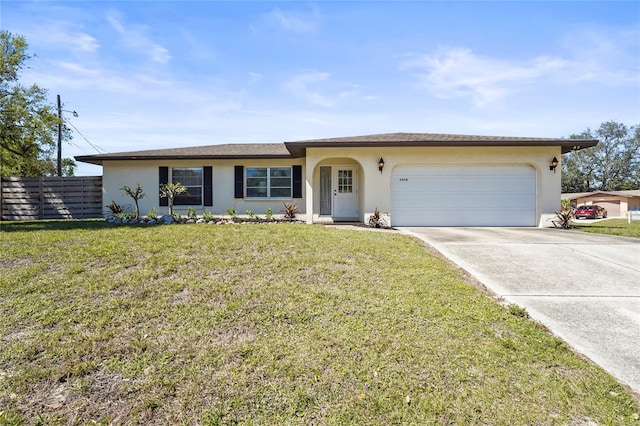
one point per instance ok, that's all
(54, 225)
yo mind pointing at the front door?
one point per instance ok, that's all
(338, 191)
(345, 197)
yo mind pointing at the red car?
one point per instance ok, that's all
(590, 212)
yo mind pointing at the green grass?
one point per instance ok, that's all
(620, 227)
(270, 324)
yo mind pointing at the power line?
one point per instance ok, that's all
(98, 149)
(71, 142)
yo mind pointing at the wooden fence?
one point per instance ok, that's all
(51, 198)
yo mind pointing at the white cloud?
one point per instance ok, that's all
(86, 43)
(254, 77)
(457, 72)
(589, 58)
(137, 88)
(62, 34)
(610, 56)
(292, 22)
(64, 74)
(136, 39)
(306, 85)
(319, 88)
(198, 48)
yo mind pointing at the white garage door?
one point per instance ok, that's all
(463, 196)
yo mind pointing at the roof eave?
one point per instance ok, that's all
(90, 159)
(298, 149)
(98, 160)
(578, 144)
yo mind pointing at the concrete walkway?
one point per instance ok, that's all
(584, 287)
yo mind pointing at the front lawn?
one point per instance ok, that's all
(270, 324)
(620, 227)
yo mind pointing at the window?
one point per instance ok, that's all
(269, 182)
(191, 178)
(345, 181)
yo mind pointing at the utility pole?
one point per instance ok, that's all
(75, 114)
(59, 137)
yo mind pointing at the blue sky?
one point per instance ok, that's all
(155, 74)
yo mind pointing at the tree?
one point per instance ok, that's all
(171, 191)
(612, 165)
(28, 123)
(135, 193)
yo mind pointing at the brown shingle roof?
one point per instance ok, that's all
(298, 148)
(226, 151)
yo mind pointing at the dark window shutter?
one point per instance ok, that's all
(207, 172)
(164, 179)
(297, 181)
(238, 182)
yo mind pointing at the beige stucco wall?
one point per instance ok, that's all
(116, 174)
(375, 187)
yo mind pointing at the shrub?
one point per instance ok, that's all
(115, 208)
(153, 213)
(563, 219)
(268, 214)
(377, 220)
(374, 219)
(126, 215)
(517, 311)
(191, 213)
(207, 216)
(232, 212)
(290, 211)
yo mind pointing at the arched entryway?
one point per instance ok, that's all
(337, 196)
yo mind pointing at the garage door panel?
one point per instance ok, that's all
(514, 185)
(613, 207)
(463, 196)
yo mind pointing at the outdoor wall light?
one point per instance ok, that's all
(554, 164)
(380, 165)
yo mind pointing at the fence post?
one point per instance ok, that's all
(1, 198)
(41, 198)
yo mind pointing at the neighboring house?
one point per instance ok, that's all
(617, 203)
(420, 179)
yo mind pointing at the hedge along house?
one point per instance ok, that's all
(419, 179)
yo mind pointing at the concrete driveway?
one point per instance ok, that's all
(584, 287)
